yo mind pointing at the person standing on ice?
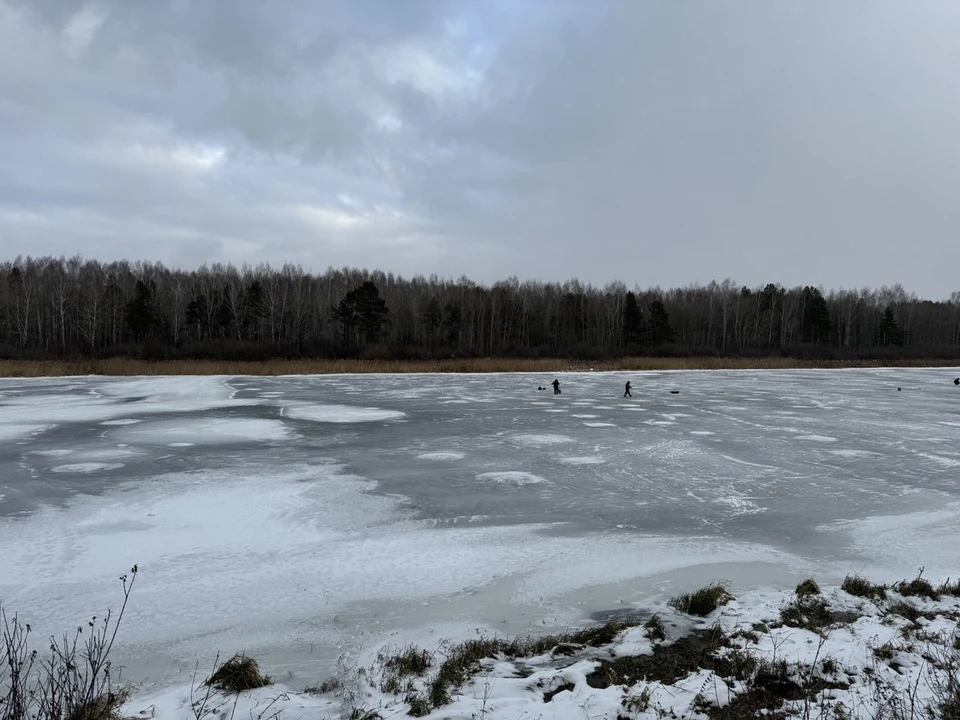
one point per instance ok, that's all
(556, 387)
(626, 390)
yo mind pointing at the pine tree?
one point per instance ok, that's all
(816, 316)
(659, 328)
(432, 317)
(141, 315)
(362, 311)
(452, 318)
(632, 320)
(889, 332)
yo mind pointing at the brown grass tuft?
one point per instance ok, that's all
(654, 629)
(861, 587)
(702, 602)
(104, 707)
(130, 366)
(918, 587)
(237, 674)
(464, 660)
(807, 588)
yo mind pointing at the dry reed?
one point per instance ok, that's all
(129, 366)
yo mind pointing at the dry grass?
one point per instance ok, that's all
(127, 366)
(103, 707)
(861, 587)
(702, 602)
(464, 660)
(237, 674)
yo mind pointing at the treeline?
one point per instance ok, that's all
(62, 307)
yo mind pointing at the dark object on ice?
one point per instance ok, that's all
(539, 388)
(556, 387)
(674, 392)
(957, 381)
(237, 674)
(626, 392)
(898, 389)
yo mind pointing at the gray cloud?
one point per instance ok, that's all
(657, 143)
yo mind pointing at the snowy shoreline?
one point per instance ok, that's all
(830, 655)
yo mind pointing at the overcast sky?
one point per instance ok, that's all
(658, 143)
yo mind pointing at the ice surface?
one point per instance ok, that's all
(16, 431)
(339, 413)
(281, 528)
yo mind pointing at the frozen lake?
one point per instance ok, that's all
(298, 518)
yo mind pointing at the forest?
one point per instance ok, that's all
(60, 307)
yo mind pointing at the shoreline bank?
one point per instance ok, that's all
(133, 367)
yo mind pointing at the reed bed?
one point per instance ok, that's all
(131, 367)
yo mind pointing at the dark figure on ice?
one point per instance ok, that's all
(626, 390)
(957, 381)
(556, 387)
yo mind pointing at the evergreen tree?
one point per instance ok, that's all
(253, 304)
(632, 320)
(141, 314)
(816, 316)
(196, 312)
(362, 311)
(889, 332)
(432, 318)
(452, 318)
(659, 328)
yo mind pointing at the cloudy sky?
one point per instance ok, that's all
(654, 142)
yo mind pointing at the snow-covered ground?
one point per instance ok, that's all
(868, 660)
(302, 518)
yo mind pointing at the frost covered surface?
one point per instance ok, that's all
(759, 655)
(298, 518)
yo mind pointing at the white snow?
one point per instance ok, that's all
(557, 686)
(121, 421)
(540, 440)
(599, 424)
(584, 460)
(209, 431)
(340, 413)
(444, 455)
(512, 477)
(90, 467)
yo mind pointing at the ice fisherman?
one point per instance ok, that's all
(626, 390)
(556, 387)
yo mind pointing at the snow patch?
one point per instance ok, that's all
(90, 467)
(209, 431)
(340, 413)
(512, 477)
(585, 460)
(540, 440)
(441, 456)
